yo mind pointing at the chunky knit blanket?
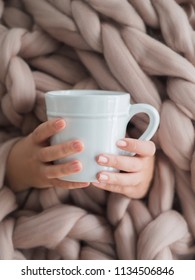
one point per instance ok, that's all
(144, 47)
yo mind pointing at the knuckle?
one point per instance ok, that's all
(133, 145)
(63, 170)
(55, 171)
(35, 135)
(46, 183)
(114, 178)
(64, 149)
(55, 183)
(113, 161)
(48, 127)
(46, 173)
(52, 171)
(42, 154)
(43, 173)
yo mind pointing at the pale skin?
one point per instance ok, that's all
(30, 163)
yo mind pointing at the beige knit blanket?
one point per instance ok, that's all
(145, 47)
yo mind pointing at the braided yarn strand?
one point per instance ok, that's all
(146, 48)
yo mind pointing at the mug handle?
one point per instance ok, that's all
(154, 120)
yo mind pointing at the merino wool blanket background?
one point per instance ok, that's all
(144, 47)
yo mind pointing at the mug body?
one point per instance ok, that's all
(97, 118)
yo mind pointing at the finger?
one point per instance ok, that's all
(52, 153)
(68, 185)
(109, 187)
(124, 163)
(130, 191)
(47, 129)
(122, 179)
(140, 147)
(59, 170)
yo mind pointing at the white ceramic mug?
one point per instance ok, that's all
(98, 118)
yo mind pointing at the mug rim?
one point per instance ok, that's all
(86, 92)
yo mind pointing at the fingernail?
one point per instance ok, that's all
(76, 145)
(103, 177)
(121, 143)
(74, 166)
(60, 123)
(102, 159)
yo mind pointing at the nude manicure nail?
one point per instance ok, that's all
(76, 145)
(59, 124)
(122, 143)
(102, 159)
(103, 177)
(74, 166)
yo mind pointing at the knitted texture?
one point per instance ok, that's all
(146, 48)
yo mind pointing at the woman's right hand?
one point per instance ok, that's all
(30, 162)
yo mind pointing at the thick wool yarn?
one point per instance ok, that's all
(146, 48)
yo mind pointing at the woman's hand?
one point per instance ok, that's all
(138, 169)
(30, 160)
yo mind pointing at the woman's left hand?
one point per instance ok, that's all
(137, 171)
